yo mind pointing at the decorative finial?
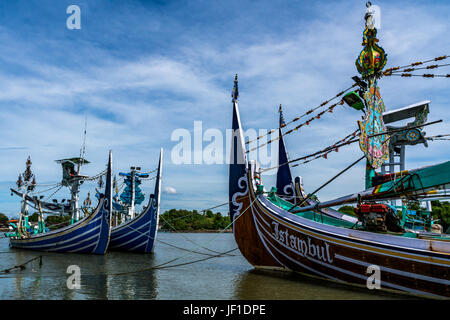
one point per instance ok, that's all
(235, 92)
(372, 58)
(19, 182)
(282, 123)
(100, 182)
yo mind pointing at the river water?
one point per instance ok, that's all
(118, 275)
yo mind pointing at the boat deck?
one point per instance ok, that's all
(317, 216)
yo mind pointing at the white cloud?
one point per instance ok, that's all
(170, 190)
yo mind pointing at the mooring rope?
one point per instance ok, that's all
(157, 239)
(164, 264)
(23, 265)
(184, 249)
(186, 238)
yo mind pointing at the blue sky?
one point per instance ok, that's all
(141, 69)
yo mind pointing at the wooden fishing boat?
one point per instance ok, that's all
(89, 235)
(139, 233)
(273, 233)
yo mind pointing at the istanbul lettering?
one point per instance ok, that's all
(305, 247)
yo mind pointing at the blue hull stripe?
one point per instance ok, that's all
(87, 248)
(75, 239)
(134, 230)
(138, 246)
(135, 237)
(137, 233)
(78, 243)
(89, 235)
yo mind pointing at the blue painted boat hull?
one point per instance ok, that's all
(139, 233)
(89, 235)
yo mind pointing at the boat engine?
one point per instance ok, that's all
(378, 217)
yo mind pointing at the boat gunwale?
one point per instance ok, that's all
(412, 245)
(64, 230)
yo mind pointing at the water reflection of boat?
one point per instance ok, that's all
(259, 284)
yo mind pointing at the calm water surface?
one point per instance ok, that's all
(119, 275)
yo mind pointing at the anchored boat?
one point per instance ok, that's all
(138, 234)
(371, 252)
(91, 234)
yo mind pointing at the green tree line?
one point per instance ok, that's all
(3, 218)
(185, 220)
(57, 220)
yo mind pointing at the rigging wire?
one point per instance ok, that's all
(83, 148)
(387, 71)
(326, 183)
(46, 199)
(426, 75)
(303, 115)
(46, 190)
(165, 264)
(349, 142)
(307, 122)
(434, 66)
(333, 147)
(439, 137)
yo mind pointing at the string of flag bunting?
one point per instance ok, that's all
(330, 109)
(405, 71)
(349, 139)
(306, 123)
(439, 137)
(321, 153)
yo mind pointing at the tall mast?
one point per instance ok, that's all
(370, 64)
(75, 185)
(27, 181)
(72, 179)
(133, 192)
(83, 147)
(237, 154)
(75, 189)
(285, 186)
